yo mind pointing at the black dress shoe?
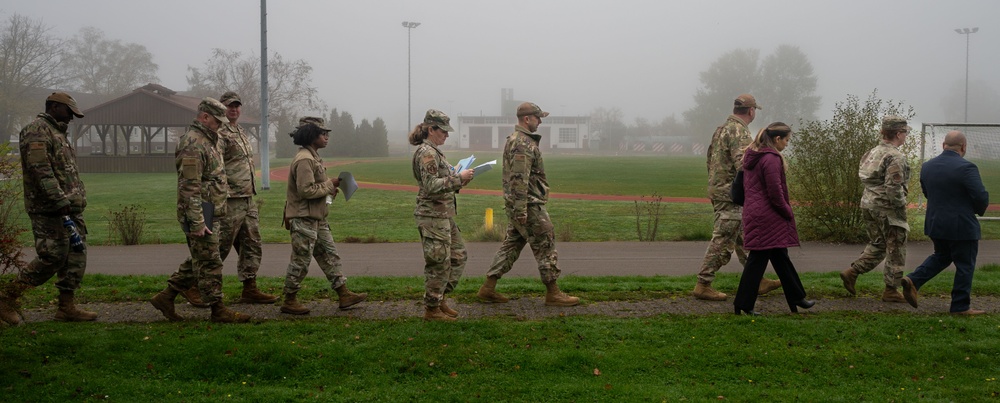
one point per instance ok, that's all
(802, 303)
(746, 312)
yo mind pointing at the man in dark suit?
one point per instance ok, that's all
(955, 194)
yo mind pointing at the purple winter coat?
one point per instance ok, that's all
(768, 222)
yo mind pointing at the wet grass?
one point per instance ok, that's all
(833, 357)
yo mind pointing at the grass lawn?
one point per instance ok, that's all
(833, 356)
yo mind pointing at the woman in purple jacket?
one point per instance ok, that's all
(768, 222)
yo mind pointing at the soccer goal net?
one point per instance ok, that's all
(983, 149)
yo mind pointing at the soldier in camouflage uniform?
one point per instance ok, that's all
(305, 214)
(885, 173)
(201, 203)
(53, 193)
(525, 192)
(240, 227)
(444, 248)
(725, 158)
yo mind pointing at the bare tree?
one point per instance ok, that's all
(29, 64)
(107, 67)
(289, 82)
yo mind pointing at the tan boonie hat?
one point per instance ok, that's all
(229, 97)
(215, 108)
(529, 108)
(64, 98)
(437, 118)
(894, 123)
(312, 120)
(746, 101)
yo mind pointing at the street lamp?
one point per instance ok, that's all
(967, 32)
(409, 25)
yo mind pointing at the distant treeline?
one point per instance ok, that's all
(368, 139)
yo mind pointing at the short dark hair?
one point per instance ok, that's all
(306, 134)
(741, 110)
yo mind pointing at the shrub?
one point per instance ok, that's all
(128, 224)
(11, 227)
(647, 217)
(824, 158)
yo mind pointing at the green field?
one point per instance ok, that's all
(830, 356)
(377, 215)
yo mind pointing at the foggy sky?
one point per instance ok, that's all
(569, 56)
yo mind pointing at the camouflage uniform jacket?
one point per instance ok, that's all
(48, 162)
(238, 153)
(524, 180)
(885, 174)
(725, 157)
(201, 175)
(438, 183)
(308, 186)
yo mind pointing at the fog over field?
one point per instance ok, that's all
(570, 57)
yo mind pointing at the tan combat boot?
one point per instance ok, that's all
(221, 314)
(292, 305)
(447, 310)
(10, 311)
(767, 285)
(348, 298)
(193, 297)
(891, 294)
(706, 292)
(68, 312)
(850, 278)
(164, 301)
(488, 292)
(554, 297)
(253, 295)
(434, 314)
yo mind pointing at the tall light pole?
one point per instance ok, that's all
(409, 25)
(967, 32)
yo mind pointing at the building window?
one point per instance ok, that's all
(567, 135)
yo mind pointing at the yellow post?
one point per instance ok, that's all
(489, 219)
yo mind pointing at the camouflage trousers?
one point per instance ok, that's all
(444, 257)
(886, 242)
(540, 234)
(312, 238)
(55, 257)
(727, 236)
(203, 267)
(239, 229)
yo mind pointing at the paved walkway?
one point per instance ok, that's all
(575, 258)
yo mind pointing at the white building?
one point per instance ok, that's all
(490, 132)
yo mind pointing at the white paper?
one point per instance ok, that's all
(347, 185)
(483, 168)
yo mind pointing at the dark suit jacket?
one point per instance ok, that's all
(955, 194)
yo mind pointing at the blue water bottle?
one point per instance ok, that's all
(74, 237)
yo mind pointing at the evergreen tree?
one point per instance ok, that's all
(380, 136)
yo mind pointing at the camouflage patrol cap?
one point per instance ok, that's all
(64, 98)
(894, 123)
(312, 120)
(437, 118)
(213, 107)
(746, 101)
(229, 97)
(529, 108)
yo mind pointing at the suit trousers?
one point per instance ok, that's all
(753, 271)
(946, 252)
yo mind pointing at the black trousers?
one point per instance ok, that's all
(946, 252)
(753, 271)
